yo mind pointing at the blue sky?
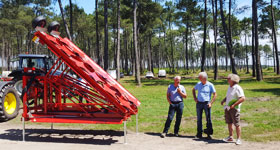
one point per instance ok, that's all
(89, 6)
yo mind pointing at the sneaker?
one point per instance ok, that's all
(238, 142)
(163, 135)
(228, 139)
(176, 134)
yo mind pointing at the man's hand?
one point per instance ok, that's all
(196, 100)
(232, 106)
(223, 101)
(209, 105)
(179, 90)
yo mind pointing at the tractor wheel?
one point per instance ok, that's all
(9, 103)
(18, 87)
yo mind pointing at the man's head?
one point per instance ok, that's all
(203, 77)
(233, 79)
(177, 80)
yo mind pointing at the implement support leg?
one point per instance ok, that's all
(136, 123)
(23, 129)
(124, 132)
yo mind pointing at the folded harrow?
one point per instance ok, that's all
(56, 96)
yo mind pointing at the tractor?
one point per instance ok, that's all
(9, 100)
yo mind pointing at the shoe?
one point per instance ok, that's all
(228, 139)
(238, 142)
(176, 134)
(163, 135)
(198, 136)
(209, 137)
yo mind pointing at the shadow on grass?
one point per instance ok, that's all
(274, 91)
(94, 137)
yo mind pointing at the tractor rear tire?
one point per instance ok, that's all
(9, 103)
(18, 87)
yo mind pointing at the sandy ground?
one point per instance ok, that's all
(44, 138)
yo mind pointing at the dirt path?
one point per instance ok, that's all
(39, 137)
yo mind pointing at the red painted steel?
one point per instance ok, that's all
(58, 97)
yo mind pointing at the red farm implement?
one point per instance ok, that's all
(56, 96)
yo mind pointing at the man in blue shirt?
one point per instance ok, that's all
(204, 102)
(175, 95)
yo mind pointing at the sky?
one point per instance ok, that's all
(89, 5)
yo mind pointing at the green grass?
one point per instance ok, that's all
(260, 113)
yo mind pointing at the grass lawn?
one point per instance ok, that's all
(260, 113)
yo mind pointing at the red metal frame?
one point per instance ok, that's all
(60, 98)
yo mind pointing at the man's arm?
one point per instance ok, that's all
(168, 99)
(213, 99)
(194, 95)
(223, 101)
(240, 100)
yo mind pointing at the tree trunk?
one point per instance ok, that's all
(247, 60)
(149, 54)
(71, 18)
(228, 40)
(159, 52)
(106, 51)
(114, 46)
(132, 69)
(215, 38)
(253, 47)
(118, 41)
(229, 23)
(3, 53)
(64, 21)
(257, 54)
(97, 33)
(273, 54)
(204, 37)
(186, 55)
(137, 66)
(126, 51)
(275, 39)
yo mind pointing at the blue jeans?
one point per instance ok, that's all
(178, 108)
(200, 106)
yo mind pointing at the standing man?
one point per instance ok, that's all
(175, 95)
(235, 96)
(204, 102)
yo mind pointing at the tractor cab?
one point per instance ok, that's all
(36, 61)
(41, 62)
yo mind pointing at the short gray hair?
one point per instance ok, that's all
(234, 77)
(177, 77)
(203, 74)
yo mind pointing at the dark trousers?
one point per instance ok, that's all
(200, 106)
(178, 108)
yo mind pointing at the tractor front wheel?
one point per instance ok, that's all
(9, 103)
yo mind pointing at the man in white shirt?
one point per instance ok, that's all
(235, 96)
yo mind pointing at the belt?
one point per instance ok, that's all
(176, 102)
(206, 102)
